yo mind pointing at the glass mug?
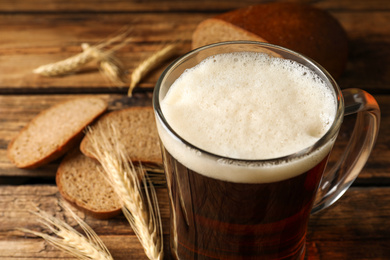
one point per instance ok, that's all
(219, 219)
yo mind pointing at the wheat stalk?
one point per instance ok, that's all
(150, 63)
(113, 69)
(66, 66)
(69, 240)
(138, 197)
(106, 60)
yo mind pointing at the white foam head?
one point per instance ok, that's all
(249, 106)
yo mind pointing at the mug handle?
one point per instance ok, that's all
(339, 178)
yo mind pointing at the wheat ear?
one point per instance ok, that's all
(138, 197)
(89, 54)
(108, 64)
(66, 66)
(69, 240)
(151, 63)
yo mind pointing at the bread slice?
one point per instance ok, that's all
(299, 27)
(80, 182)
(53, 132)
(137, 131)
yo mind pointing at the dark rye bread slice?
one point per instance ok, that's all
(54, 131)
(299, 27)
(137, 131)
(80, 182)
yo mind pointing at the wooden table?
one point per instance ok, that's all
(33, 33)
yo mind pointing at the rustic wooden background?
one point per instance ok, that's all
(33, 33)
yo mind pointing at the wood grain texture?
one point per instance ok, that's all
(29, 40)
(17, 202)
(171, 5)
(33, 33)
(356, 227)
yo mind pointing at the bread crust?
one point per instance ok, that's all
(299, 27)
(64, 168)
(63, 145)
(200, 38)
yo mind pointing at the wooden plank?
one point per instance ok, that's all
(21, 79)
(17, 201)
(17, 110)
(356, 227)
(368, 44)
(26, 45)
(25, 33)
(28, 41)
(171, 5)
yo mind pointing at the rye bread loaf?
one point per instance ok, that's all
(137, 131)
(54, 131)
(299, 27)
(80, 182)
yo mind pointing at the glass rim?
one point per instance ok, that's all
(331, 132)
